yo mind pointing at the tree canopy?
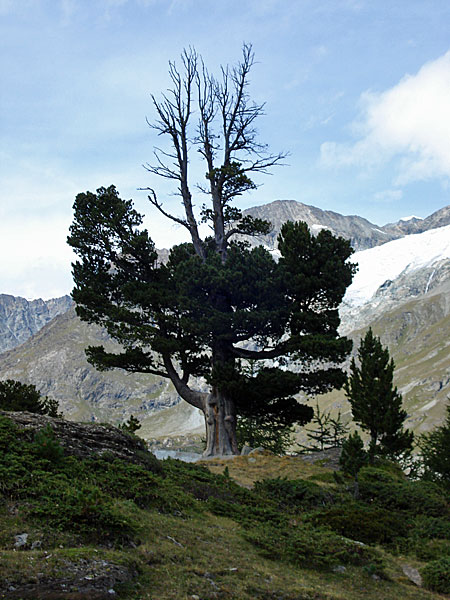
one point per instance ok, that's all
(257, 330)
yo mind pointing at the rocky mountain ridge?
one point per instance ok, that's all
(362, 233)
(21, 318)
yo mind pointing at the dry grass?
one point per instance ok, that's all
(245, 470)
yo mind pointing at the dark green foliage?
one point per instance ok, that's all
(308, 546)
(293, 495)
(393, 492)
(376, 403)
(203, 485)
(432, 549)
(368, 524)
(101, 500)
(17, 396)
(85, 510)
(435, 451)
(353, 455)
(425, 527)
(429, 537)
(261, 432)
(47, 446)
(247, 515)
(87, 497)
(436, 575)
(131, 426)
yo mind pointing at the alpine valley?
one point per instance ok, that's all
(401, 290)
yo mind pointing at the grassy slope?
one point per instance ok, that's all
(183, 543)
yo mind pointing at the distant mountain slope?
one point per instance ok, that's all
(21, 318)
(54, 361)
(359, 231)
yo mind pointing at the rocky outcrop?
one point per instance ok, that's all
(85, 440)
(21, 318)
(68, 578)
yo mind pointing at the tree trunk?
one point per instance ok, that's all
(220, 420)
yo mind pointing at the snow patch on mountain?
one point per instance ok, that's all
(385, 263)
(411, 217)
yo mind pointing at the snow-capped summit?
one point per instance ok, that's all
(411, 218)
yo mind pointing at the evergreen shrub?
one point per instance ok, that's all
(436, 575)
(18, 396)
(425, 527)
(388, 491)
(47, 446)
(432, 549)
(293, 494)
(312, 547)
(368, 524)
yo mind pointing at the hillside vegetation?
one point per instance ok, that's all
(99, 526)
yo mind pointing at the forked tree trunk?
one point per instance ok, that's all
(220, 420)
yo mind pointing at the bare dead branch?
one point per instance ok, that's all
(153, 200)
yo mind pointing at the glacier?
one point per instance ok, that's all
(386, 262)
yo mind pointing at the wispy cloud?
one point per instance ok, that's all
(409, 122)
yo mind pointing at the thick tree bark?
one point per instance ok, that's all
(220, 420)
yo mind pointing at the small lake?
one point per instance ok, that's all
(189, 457)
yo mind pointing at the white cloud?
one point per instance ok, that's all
(37, 258)
(410, 121)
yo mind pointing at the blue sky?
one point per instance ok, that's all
(358, 93)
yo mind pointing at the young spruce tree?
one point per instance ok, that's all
(435, 450)
(217, 304)
(376, 403)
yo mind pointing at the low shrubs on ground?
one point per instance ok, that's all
(96, 498)
(100, 499)
(369, 524)
(415, 497)
(308, 546)
(431, 527)
(295, 494)
(432, 549)
(436, 575)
